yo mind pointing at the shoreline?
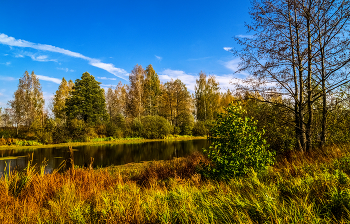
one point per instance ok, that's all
(118, 141)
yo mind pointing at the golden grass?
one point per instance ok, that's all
(300, 188)
(117, 141)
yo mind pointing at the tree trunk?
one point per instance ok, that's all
(309, 87)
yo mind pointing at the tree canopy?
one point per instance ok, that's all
(87, 101)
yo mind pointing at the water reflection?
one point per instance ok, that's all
(104, 155)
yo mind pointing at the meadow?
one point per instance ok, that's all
(300, 188)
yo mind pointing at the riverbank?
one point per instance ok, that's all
(299, 188)
(103, 142)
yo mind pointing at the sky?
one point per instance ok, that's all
(57, 39)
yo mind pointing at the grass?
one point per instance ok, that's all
(99, 141)
(300, 188)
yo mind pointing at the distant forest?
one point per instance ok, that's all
(147, 108)
(82, 110)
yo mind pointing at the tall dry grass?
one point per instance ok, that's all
(300, 188)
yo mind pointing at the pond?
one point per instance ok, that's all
(104, 155)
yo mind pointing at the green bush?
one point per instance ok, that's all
(155, 127)
(199, 129)
(136, 128)
(237, 146)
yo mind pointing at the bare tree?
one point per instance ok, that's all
(299, 50)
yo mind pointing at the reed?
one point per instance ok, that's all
(300, 188)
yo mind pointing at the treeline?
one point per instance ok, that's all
(82, 110)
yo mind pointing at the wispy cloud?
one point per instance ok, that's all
(233, 65)
(19, 55)
(244, 36)
(42, 58)
(197, 59)
(12, 42)
(158, 57)
(227, 48)
(7, 78)
(6, 63)
(50, 79)
(66, 69)
(105, 78)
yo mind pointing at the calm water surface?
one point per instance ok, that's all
(104, 155)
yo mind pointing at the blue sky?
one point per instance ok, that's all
(58, 39)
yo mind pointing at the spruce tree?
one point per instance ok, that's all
(87, 101)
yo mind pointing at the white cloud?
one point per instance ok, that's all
(7, 78)
(66, 69)
(12, 42)
(50, 79)
(105, 78)
(19, 56)
(225, 82)
(6, 63)
(119, 72)
(42, 58)
(158, 57)
(47, 97)
(245, 36)
(197, 59)
(233, 65)
(189, 80)
(227, 48)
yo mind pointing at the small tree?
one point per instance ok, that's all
(236, 147)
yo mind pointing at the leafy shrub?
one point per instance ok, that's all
(155, 127)
(237, 146)
(185, 122)
(199, 129)
(136, 128)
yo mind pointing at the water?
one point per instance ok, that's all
(104, 155)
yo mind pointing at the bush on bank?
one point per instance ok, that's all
(237, 146)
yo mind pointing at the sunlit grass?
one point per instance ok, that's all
(100, 141)
(300, 188)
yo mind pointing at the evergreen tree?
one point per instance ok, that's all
(87, 101)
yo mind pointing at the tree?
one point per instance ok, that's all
(116, 101)
(176, 102)
(206, 97)
(59, 100)
(28, 102)
(135, 107)
(151, 89)
(297, 47)
(225, 99)
(237, 146)
(87, 101)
